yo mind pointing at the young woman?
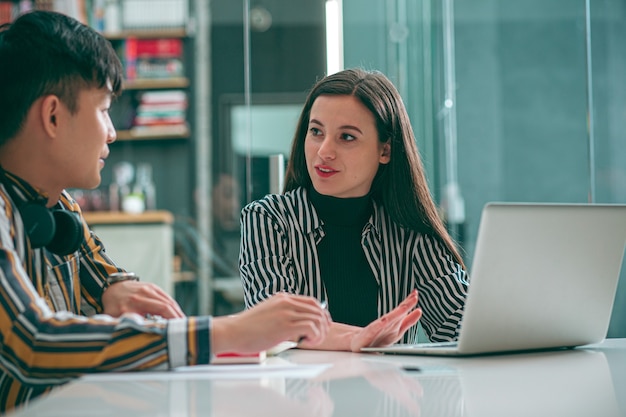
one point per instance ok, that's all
(356, 225)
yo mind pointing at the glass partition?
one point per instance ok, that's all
(265, 56)
(607, 119)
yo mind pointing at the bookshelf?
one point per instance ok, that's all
(152, 128)
(153, 115)
(155, 101)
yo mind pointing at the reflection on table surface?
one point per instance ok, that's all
(579, 382)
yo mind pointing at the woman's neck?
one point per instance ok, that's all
(342, 211)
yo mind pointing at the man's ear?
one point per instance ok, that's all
(385, 156)
(50, 108)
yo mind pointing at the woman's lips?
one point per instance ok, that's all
(325, 172)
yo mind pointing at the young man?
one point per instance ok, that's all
(63, 311)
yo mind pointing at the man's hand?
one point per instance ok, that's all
(143, 298)
(279, 318)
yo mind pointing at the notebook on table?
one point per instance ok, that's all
(544, 276)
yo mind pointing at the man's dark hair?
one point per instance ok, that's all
(44, 53)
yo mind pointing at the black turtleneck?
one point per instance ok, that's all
(350, 285)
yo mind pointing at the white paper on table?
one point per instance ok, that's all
(266, 369)
(272, 368)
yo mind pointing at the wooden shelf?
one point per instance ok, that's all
(156, 133)
(157, 83)
(118, 217)
(147, 34)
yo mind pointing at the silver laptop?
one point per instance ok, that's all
(544, 276)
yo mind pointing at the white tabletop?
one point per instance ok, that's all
(588, 381)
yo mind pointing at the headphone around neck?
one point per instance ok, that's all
(57, 229)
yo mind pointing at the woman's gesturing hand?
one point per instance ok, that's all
(389, 328)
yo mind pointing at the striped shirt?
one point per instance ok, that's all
(51, 324)
(280, 234)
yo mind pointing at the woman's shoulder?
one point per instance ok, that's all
(387, 225)
(290, 210)
(287, 204)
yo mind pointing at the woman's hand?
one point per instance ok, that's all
(281, 317)
(389, 328)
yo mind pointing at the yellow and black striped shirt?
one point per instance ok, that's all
(51, 324)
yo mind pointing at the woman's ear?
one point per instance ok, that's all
(385, 156)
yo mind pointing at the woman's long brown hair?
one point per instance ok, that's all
(399, 186)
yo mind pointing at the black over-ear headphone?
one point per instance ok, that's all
(58, 229)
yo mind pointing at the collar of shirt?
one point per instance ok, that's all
(314, 223)
(20, 190)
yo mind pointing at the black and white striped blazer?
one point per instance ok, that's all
(278, 252)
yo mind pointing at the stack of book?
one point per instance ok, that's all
(6, 12)
(153, 58)
(161, 112)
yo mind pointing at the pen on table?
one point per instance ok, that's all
(323, 305)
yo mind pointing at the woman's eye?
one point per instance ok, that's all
(315, 131)
(347, 137)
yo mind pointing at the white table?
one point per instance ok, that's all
(586, 382)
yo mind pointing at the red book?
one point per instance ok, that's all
(160, 48)
(130, 58)
(6, 12)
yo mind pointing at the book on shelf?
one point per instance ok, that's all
(159, 48)
(7, 11)
(151, 112)
(161, 108)
(152, 58)
(173, 97)
(155, 107)
(127, 51)
(159, 119)
(161, 68)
